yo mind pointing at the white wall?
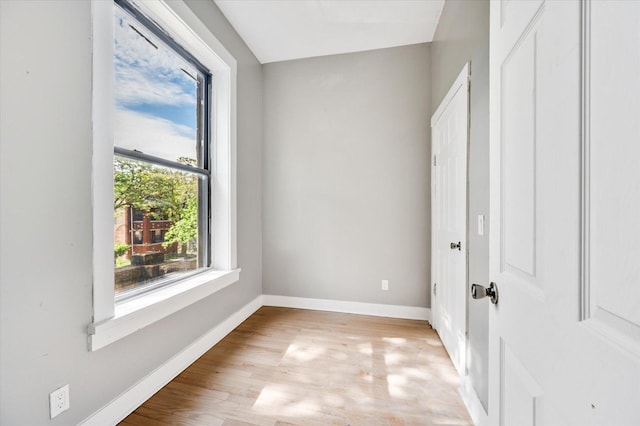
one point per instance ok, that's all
(45, 218)
(346, 176)
(462, 35)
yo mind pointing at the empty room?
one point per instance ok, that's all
(320, 212)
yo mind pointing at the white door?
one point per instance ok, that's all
(449, 137)
(565, 213)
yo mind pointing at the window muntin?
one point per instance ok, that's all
(161, 164)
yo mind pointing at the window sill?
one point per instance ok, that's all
(136, 313)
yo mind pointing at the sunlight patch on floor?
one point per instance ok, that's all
(277, 400)
(297, 353)
(394, 358)
(395, 340)
(421, 374)
(396, 385)
(365, 348)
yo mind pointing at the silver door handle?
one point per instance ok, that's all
(457, 245)
(478, 292)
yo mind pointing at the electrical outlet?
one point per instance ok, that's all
(59, 401)
(385, 285)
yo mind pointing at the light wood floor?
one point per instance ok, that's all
(297, 367)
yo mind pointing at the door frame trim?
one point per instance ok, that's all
(462, 81)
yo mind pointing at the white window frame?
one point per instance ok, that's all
(113, 321)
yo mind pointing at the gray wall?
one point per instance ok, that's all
(463, 35)
(346, 176)
(46, 222)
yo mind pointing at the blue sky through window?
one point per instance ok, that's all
(155, 94)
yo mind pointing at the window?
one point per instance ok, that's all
(157, 236)
(137, 239)
(161, 162)
(164, 183)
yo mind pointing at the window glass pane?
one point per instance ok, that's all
(157, 224)
(156, 90)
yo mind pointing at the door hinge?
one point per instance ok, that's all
(435, 161)
(435, 289)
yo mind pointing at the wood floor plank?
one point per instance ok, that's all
(298, 367)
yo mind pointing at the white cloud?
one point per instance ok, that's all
(153, 135)
(145, 75)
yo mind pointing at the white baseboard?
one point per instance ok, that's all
(374, 309)
(126, 403)
(472, 402)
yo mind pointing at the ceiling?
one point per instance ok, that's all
(279, 30)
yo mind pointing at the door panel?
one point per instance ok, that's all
(565, 203)
(518, 151)
(615, 153)
(521, 396)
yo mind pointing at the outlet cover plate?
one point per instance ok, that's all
(385, 285)
(59, 401)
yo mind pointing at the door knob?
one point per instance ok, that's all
(478, 292)
(457, 245)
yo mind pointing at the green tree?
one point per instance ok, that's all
(159, 191)
(185, 229)
(147, 187)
